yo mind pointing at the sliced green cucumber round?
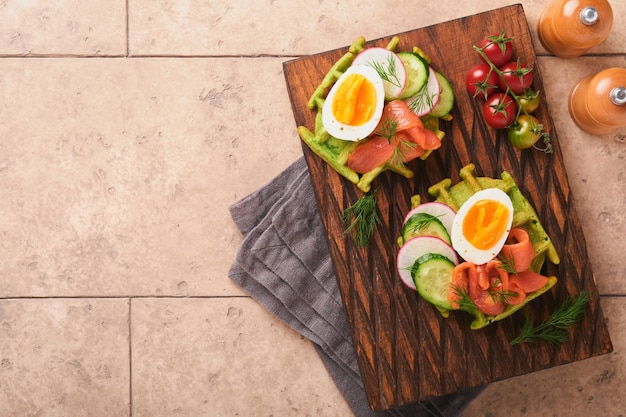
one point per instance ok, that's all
(426, 257)
(424, 224)
(442, 212)
(417, 72)
(446, 97)
(414, 249)
(427, 98)
(433, 277)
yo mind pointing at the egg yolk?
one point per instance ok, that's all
(485, 223)
(355, 101)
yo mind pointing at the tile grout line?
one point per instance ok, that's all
(127, 30)
(127, 55)
(178, 297)
(119, 297)
(130, 358)
(130, 300)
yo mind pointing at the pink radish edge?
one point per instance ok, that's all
(430, 90)
(442, 211)
(379, 57)
(414, 248)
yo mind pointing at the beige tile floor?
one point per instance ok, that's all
(127, 127)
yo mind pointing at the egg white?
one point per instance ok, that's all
(460, 243)
(347, 132)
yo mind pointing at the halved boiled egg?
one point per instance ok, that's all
(481, 225)
(354, 104)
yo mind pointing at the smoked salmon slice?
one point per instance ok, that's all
(530, 281)
(398, 112)
(490, 289)
(489, 286)
(514, 288)
(518, 249)
(491, 273)
(460, 282)
(487, 301)
(369, 154)
(409, 139)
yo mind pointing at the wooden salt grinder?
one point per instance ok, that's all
(597, 103)
(569, 28)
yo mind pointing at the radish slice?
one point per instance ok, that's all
(427, 98)
(415, 248)
(388, 65)
(442, 211)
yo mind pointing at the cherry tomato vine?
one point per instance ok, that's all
(506, 86)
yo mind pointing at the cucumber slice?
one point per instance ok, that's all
(389, 66)
(417, 247)
(424, 258)
(433, 278)
(446, 97)
(443, 212)
(417, 73)
(427, 98)
(424, 224)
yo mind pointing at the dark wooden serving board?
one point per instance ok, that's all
(406, 351)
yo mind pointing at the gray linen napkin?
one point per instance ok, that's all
(284, 264)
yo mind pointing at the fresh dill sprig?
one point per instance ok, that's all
(361, 218)
(503, 296)
(387, 73)
(465, 302)
(508, 265)
(388, 130)
(400, 150)
(422, 101)
(554, 328)
(421, 221)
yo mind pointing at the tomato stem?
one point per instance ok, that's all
(493, 68)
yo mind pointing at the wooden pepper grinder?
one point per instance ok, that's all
(597, 103)
(569, 28)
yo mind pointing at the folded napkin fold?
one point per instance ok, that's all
(284, 264)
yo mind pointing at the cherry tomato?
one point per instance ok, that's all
(525, 131)
(480, 80)
(497, 47)
(530, 100)
(499, 110)
(517, 75)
